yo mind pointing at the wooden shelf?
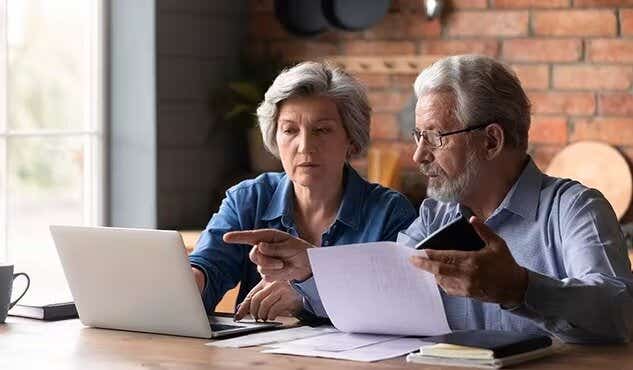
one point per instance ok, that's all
(392, 64)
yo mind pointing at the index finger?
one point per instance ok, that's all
(255, 236)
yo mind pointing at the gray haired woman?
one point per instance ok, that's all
(315, 118)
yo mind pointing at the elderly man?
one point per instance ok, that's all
(554, 258)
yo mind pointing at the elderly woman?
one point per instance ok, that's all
(314, 117)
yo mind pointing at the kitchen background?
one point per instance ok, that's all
(574, 58)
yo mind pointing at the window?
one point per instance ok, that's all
(51, 131)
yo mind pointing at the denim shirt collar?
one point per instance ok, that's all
(282, 201)
(523, 198)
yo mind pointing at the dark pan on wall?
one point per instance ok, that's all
(354, 15)
(301, 17)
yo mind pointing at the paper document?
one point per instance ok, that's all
(374, 288)
(275, 336)
(375, 352)
(336, 342)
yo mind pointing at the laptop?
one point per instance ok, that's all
(138, 280)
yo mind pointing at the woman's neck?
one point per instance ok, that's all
(315, 209)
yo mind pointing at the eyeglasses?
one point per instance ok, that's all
(434, 138)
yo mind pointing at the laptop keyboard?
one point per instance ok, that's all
(219, 327)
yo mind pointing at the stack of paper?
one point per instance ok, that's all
(271, 337)
(345, 346)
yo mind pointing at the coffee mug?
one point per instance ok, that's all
(6, 286)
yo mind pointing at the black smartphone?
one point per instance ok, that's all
(457, 235)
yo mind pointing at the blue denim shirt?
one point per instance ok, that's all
(368, 212)
(580, 285)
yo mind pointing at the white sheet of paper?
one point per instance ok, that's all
(374, 288)
(336, 342)
(274, 336)
(375, 352)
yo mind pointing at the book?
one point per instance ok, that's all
(484, 344)
(495, 363)
(482, 348)
(46, 312)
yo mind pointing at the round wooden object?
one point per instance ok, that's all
(599, 166)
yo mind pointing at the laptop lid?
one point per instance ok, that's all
(131, 279)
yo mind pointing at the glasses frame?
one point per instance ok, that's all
(419, 135)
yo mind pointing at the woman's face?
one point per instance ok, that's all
(313, 144)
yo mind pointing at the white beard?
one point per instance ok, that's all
(451, 190)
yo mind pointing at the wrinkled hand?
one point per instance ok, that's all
(490, 274)
(278, 255)
(266, 301)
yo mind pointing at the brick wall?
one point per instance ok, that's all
(574, 58)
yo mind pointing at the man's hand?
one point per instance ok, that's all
(266, 301)
(278, 255)
(490, 274)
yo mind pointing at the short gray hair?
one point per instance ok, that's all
(317, 79)
(484, 91)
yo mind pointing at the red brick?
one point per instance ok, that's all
(384, 126)
(402, 26)
(610, 50)
(615, 104)
(530, 3)
(421, 27)
(543, 154)
(548, 130)
(488, 23)
(452, 47)
(542, 50)
(372, 48)
(599, 3)
(373, 80)
(615, 131)
(626, 22)
(303, 50)
(468, 4)
(574, 23)
(586, 77)
(556, 102)
(387, 101)
(532, 76)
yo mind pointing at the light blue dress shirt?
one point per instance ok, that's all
(368, 212)
(566, 235)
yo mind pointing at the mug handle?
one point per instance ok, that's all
(28, 283)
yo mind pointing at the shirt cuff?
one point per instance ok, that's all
(311, 300)
(538, 302)
(206, 276)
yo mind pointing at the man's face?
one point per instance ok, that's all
(453, 168)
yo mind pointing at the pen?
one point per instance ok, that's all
(237, 308)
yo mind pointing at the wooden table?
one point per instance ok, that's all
(33, 344)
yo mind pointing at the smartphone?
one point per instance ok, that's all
(457, 235)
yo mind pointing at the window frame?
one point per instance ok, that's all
(95, 179)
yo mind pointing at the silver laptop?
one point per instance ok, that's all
(139, 280)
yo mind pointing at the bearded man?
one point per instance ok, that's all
(555, 260)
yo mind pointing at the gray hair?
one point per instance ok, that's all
(484, 91)
(317, 79)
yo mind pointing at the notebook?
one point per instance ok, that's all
(46, 312)
(482, 348)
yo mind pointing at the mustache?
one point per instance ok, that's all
(428, 169)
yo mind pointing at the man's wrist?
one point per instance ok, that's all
(518, 294)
